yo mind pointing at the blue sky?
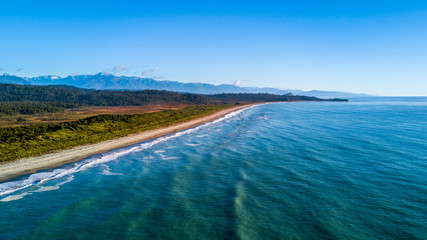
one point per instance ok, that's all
(375, 47)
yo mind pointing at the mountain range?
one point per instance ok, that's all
(106, 81)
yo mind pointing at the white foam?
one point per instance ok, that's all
(15, 187)
(200, 136)
(150, 157)
(164, 157)
(69, 179)
(14, 197)
(108, 171)
(192, 144)
(263, 117)
(46, 188)
(169, 158)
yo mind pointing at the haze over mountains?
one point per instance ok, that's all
(106, 81)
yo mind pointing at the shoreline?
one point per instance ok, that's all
(25, 166)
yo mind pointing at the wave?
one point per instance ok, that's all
(201, 136)
(163, 156)
(14, 197)
(46, 188)
(192, 144)
(36, 179)
(107, 171)
(40, 189)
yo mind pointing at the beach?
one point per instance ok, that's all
(25, 166)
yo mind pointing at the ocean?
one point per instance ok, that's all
(303, 170)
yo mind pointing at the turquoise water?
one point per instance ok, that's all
(354, 170)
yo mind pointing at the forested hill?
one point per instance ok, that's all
(265, 97)
(67, 94)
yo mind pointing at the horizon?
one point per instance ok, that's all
(170, 80)
(147, 77)
(357, 46)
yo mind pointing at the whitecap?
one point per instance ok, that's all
(46, 188)
(14, 197)
(148, 157)
(107, 171)
(192, 144)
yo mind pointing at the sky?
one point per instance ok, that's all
(373, 47)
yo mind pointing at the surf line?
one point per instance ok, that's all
(53, 160)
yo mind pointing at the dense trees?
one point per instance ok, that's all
(37, 139)
(263, 97)
(66, 94)
(30, 108)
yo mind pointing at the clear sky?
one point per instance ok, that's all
(374, 47)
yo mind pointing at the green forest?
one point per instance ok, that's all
(37, 139)
(30, 108)
(88, 97)
(263, 97)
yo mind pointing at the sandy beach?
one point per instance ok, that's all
(30, 165)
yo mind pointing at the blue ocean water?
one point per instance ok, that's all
(306, 170)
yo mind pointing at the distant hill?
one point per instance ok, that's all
(105, 81)
(65, 94)
(6, 78)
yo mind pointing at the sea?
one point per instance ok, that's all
(291, 170)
